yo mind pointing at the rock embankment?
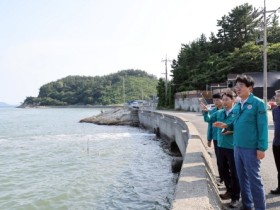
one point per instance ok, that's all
(118, 116)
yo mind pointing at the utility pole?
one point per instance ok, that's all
(166, 60)
(265, 50)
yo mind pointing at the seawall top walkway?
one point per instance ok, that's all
(268, 168)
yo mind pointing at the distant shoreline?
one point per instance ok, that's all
(71, 106)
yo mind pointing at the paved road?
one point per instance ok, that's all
(268, 169)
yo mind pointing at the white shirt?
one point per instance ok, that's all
(243, 102)
(227, 112)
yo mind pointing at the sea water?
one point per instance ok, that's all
(48, 160)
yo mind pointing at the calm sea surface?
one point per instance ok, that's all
(50, 161)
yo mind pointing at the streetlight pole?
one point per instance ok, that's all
(264, 55)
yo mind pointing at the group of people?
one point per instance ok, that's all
(238, 127)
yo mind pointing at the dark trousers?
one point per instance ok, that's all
(276, 153)
(216, 149)
(229, 173)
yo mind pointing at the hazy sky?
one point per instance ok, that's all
(45, 40)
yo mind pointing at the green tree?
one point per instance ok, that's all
(232, 50)
(273, 55)
(238, 27)
(273, 30)
(161, 93)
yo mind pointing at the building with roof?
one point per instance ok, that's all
(273, 82)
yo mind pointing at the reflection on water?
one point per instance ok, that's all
(50, 161)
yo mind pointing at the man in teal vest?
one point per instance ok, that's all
(250, 142)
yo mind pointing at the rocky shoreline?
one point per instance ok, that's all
(117, 116)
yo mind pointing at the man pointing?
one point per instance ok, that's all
(250, 142)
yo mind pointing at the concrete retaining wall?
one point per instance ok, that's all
(169, 126)
(195, 188)
(188, 104)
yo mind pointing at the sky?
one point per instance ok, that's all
(45, 40)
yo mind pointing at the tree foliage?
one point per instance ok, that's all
(161, 93)
(235, 48)
(98, 90)
(232, 50)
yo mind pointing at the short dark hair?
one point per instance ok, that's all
(216, 95)
(229, 94)
(246, 79)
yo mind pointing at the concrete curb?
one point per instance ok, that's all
(196, 188)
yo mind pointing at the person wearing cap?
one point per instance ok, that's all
(250, 139)
(276, 140)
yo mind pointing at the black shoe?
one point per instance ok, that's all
(225, 196)
(275, 192)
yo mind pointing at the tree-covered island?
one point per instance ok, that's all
(116, 88)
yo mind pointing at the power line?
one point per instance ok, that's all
(272, 12)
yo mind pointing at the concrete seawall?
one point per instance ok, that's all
(195, 188)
